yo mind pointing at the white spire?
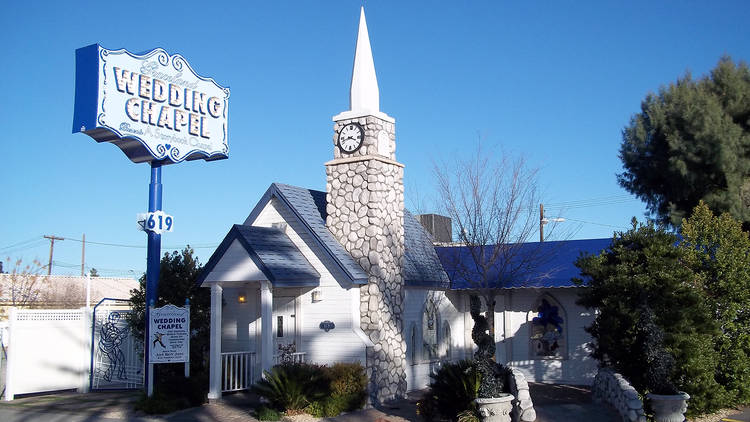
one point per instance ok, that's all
(364, 94)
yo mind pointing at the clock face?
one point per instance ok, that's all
(351, 137)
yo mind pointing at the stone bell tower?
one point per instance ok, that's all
(365, 205)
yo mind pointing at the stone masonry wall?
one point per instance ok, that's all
(365, 206)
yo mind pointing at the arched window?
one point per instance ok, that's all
(430, 330)
(548, 331)
(446, 340)
(413, 343)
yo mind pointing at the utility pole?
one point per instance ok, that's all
(52, 239)
(541, 222)
(83, 253)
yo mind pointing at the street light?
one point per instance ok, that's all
(543, 221)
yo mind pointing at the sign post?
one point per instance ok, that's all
(157, 110)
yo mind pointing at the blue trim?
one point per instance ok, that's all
(87, 87)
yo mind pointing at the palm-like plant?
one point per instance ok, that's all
(292, 387)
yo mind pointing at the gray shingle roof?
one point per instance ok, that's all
(310, 206)
(422, 267)
(272, 251)
(279, 255)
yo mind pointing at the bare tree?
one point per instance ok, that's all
(493, 205)
(22, 286)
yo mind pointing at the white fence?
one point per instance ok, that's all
(47, 350)
(51, 350)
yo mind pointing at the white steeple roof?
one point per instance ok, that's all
(364, 95)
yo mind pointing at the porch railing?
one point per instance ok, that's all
(238, 370)
(296, 357)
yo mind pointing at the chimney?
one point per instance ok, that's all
(438, 226)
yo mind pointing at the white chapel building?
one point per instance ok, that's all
(349, 275)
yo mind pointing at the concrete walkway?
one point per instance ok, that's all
(553, 403)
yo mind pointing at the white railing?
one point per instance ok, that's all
(296, 357)
(237, 368)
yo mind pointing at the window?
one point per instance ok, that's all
(413, 344)
(547, 330)
(447, 345)
(430, 330)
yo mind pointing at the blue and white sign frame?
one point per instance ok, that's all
(153, 106)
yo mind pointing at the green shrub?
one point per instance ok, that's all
(348, 384)
(318, 390)
(172, 391)
(292, 387)
(316, 409)
(268, 414)
(454, 388)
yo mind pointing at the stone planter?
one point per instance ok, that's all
(668, 408)
(495, 409)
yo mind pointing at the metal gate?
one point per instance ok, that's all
(116, 356)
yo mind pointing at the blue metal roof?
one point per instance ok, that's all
(274, 254)
(528, 265)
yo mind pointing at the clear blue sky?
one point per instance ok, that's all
(554, 81)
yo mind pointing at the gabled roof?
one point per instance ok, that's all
(554, 266)
(310, 207)
(422, 267)
(273, 253)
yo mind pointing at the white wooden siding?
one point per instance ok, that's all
(449, 310)
(235, 265)
(341, 344)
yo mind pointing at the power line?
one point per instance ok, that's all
(36, 238)
(120, 245)
(597, 224)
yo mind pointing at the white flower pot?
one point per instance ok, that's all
(668, 408)
(495, 409)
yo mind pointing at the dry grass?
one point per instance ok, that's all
(714, 417)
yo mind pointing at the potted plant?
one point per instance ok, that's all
(494, 403)
(666, 401)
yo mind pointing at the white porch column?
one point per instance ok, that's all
(507, 327)
(266, 326)
(214, 383)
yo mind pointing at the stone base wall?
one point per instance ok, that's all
(613, 388)
(523, 407)
(366, 214)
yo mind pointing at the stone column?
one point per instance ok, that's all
(366, 215)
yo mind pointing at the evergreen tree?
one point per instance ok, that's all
(691, 142)
(178, 272)
(645, 266)
(720, 253)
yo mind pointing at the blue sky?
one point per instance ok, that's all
(552, 81)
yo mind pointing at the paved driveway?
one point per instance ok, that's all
(553, 403)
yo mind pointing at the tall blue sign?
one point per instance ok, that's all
(158, 110)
